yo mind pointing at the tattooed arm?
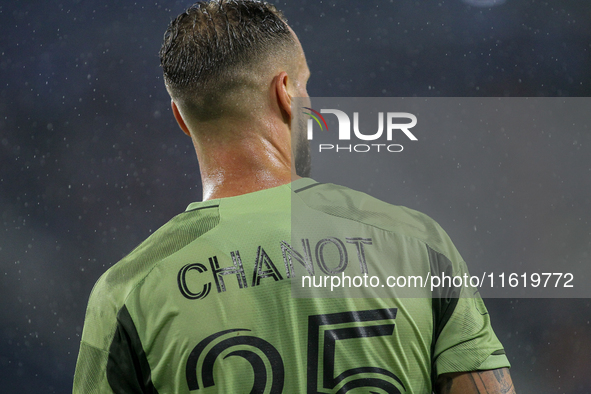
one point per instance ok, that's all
(495, 381)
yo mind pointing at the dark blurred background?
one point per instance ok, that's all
(91, 161)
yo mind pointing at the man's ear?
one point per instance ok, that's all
(179, 118)
(283, 96)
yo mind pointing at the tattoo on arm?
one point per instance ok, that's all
(497, 381)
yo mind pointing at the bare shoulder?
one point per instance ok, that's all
(494, 381)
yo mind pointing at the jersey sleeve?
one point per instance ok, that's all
(108, 357)
(111, 357)
(463, 338)
(467, 341)
(109, 335)
(99, 327)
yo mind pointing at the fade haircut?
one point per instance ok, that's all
(212, 47)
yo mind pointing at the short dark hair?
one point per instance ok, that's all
(203, 45)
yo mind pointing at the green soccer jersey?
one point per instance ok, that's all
(216, 301)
